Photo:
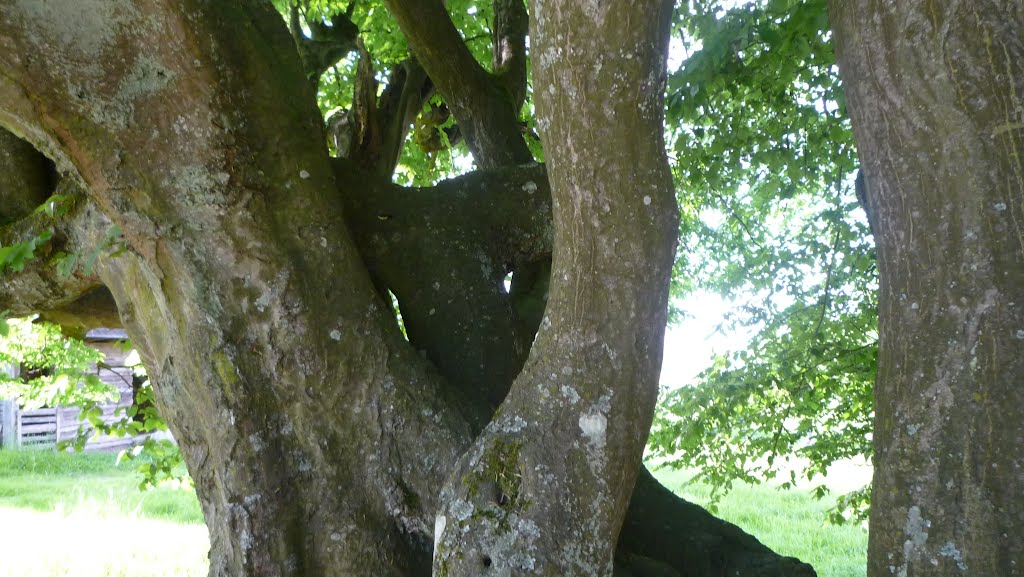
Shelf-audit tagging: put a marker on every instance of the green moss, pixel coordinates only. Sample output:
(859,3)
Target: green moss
(225,370)
(499,468)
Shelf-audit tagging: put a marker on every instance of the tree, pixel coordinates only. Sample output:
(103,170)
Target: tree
(934,91)
(765,166)
(254,273)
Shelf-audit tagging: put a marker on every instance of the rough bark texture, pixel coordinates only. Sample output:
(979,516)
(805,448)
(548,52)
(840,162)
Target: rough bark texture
(544,489)
(935,92)
(317,436)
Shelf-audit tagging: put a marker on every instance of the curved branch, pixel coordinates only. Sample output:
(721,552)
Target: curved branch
(483,107)
(444,252)
(326,44)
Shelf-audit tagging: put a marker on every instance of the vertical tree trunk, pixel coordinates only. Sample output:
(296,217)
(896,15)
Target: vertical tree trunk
(936,95)
(544,490)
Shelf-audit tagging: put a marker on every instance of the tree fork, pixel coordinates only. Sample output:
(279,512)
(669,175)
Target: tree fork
(251,333)
(485,111)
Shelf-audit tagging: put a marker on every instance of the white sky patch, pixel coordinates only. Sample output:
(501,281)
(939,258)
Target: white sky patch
(691,345)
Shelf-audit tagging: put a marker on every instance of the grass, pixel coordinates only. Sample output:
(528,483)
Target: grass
(79,514)
(791,522)
(49,481)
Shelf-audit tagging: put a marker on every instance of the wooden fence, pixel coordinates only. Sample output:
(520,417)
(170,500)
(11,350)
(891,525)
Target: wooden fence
(44,428)
(47,427)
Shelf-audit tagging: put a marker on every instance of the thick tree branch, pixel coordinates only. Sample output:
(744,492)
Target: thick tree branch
(484,109)
(685,540)
(399,105)
(508,47)
(444,251)
(564,449)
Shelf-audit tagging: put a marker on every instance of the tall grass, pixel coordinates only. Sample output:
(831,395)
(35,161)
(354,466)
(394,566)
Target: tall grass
(50,481)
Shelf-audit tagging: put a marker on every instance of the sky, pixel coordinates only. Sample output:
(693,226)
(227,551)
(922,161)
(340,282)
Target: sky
(691,344)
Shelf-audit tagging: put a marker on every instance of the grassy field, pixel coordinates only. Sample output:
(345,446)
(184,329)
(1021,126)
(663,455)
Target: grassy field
(79,515)
(67,514)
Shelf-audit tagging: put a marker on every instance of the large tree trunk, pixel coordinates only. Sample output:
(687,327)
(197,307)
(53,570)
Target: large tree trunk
(935,92)
(318,437)
(544,490)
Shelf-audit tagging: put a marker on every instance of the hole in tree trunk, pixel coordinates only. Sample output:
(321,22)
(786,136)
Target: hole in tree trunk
(487,561)
(398,314)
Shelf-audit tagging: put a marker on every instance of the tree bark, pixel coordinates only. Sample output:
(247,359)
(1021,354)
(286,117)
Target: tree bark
(934,91)
(317,437)
(545,488)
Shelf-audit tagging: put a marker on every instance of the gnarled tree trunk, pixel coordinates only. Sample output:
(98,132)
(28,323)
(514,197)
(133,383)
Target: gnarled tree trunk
(250,271)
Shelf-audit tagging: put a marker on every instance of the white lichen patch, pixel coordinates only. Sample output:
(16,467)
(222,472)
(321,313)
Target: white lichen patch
(85,27)
(570,394)
(594,426)
(335,335)
(461,510)
(530,187)
(516,425)
(263,302)
(303,174)
(950,551)
(916,532)
(999,206)
(439,524)
(647,200)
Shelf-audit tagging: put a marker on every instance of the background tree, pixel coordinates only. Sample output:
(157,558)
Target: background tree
(764,162)
(254,273)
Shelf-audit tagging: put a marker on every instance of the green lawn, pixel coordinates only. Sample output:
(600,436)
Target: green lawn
(791,522)
(79,514)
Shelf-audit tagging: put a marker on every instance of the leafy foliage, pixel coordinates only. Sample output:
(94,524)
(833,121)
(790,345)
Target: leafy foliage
(764,160)
(14,257)
(55,370)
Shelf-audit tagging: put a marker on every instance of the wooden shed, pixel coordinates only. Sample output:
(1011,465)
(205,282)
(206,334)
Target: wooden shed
(48,426)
